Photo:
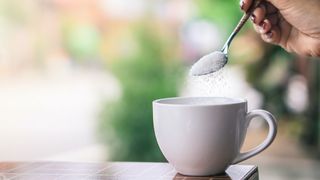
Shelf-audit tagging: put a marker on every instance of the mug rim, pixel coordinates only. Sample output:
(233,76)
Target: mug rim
(235,101)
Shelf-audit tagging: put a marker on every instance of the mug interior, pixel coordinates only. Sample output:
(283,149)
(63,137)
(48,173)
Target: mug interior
(200,101)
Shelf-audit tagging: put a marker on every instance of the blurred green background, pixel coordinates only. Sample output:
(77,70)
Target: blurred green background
(95,66)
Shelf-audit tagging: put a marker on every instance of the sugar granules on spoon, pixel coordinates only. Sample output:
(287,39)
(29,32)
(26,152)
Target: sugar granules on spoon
(209,64)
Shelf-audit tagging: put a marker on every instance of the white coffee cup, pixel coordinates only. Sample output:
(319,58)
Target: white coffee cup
(202,136)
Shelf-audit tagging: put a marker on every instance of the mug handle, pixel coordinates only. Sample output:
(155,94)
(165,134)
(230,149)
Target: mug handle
(271,135)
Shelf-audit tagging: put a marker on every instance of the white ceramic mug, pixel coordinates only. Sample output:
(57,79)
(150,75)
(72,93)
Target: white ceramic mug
(202,136)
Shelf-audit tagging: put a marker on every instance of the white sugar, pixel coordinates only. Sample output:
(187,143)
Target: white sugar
(211,85)
(209,64)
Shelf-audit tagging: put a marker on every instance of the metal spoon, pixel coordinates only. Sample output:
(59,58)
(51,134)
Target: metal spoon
(218,59)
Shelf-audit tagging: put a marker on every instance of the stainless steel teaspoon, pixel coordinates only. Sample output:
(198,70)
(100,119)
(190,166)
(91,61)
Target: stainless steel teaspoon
(218,59)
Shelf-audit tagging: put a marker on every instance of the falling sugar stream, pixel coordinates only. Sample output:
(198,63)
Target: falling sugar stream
(210,85)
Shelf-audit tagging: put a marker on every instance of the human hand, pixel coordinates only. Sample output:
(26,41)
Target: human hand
(292,24)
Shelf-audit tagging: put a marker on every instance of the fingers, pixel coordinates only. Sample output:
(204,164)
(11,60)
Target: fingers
(265,8)
(259,14)
(269,29)
(266,24)
(265,19)
(273,18)
(271,9)
(245,5)
(264,27)
(273,36)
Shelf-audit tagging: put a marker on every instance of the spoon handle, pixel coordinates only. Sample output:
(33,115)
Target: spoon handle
(247,15)
(242,21)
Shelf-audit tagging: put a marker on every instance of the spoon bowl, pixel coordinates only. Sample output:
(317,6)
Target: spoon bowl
(209,63)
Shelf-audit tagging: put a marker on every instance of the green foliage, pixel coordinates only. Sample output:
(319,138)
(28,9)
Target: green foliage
(82,41)
(127,124)
(225,13)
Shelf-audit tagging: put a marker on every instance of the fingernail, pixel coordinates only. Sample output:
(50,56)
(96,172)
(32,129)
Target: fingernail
(253,18)
(241,4)
(269,35)
(263,26)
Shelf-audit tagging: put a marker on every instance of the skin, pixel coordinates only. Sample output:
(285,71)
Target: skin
(292,24)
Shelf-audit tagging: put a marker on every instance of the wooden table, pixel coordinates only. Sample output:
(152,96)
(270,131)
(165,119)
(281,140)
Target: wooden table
(112,171)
